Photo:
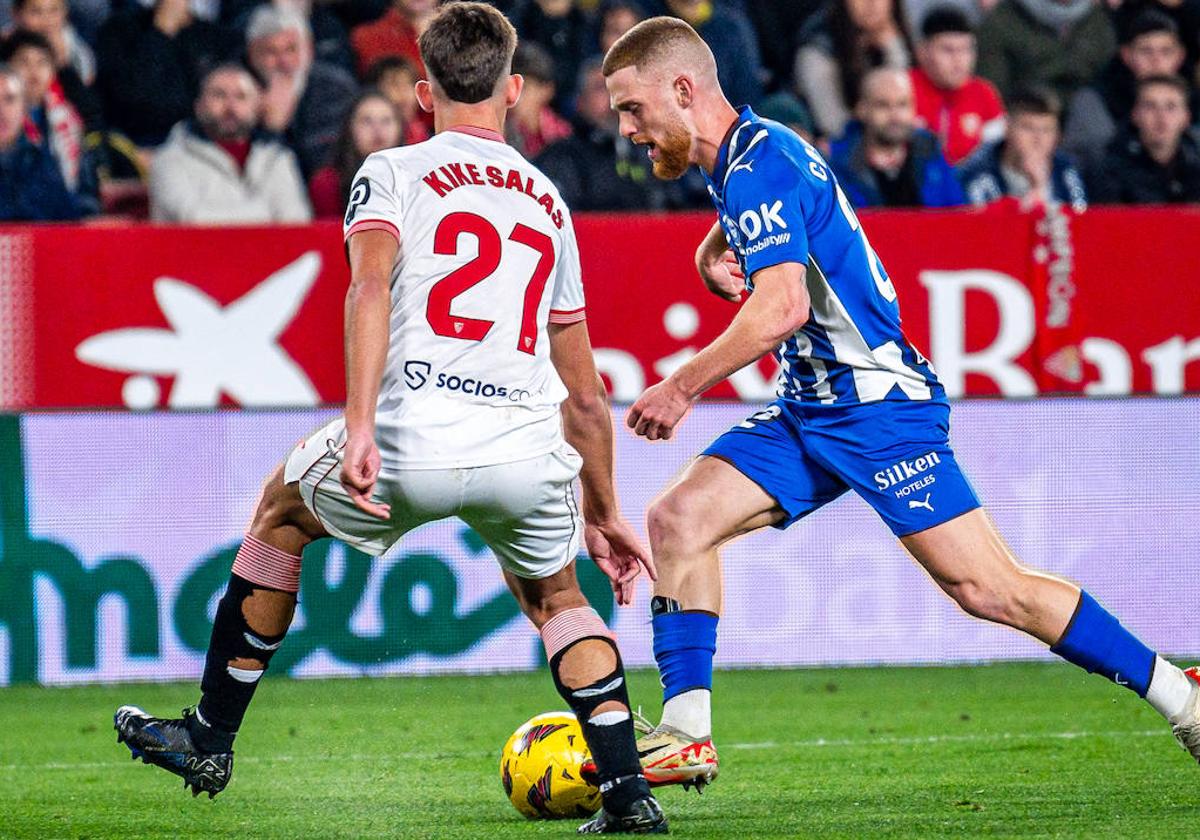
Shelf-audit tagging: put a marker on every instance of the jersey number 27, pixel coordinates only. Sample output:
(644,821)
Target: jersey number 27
(442,295)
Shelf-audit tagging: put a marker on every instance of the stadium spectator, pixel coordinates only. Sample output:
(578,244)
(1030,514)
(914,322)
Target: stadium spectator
(395,33)
(962,109)
(1158,162)
(838,48)
(151,62)
(48,18)
(329,21)
(776,25)
(1027,164)
(31,185)
(532,123)
(561,29)
(598,169)
(884,159)
(730,35)
(1060,44)
(304,100)
(51,122)
(396,78)
(373,123)
(1185,13)
(1152,47)
(783,107)
(614,19)
(220,167)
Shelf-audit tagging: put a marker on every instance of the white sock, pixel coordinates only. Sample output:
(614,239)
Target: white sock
(690,713)
(1169,689)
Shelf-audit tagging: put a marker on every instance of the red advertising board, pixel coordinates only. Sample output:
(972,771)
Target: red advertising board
(1003,303)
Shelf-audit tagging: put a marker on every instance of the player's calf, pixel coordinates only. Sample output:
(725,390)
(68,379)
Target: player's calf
(252,619)
(588,674)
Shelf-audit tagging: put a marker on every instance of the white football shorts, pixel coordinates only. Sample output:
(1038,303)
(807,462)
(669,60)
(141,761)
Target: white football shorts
(524,510)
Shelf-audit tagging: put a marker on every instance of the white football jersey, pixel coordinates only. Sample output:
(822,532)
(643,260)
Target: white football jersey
(487,260)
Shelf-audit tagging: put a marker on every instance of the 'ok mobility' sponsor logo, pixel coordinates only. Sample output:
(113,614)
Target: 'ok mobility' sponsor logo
(913,470)
(417,374)
(766,219)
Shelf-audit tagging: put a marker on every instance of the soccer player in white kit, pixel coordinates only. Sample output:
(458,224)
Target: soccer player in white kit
(471,392)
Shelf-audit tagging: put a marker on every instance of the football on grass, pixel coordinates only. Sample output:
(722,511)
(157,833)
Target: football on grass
(540,769)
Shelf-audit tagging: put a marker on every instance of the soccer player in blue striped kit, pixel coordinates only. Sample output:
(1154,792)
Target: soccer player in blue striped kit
(859,407)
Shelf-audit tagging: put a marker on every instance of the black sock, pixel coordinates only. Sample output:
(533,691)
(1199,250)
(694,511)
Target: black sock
(227,692)
(612,742)
(614,749)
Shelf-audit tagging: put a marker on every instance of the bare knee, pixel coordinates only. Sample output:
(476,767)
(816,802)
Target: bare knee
(677,527)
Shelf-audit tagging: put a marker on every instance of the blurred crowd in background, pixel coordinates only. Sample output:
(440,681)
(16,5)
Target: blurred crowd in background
(259,111)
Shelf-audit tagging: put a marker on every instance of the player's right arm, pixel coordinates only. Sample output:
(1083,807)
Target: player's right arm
(718,267)
(587,426)
(368,307)
(373,244)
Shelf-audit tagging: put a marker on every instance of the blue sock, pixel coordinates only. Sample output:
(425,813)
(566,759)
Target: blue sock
(1096,642)
(684,644)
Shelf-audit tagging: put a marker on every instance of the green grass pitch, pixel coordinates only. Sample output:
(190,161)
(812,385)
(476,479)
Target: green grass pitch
(997,751)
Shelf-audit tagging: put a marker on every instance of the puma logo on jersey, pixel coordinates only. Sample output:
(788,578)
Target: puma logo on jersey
(768,218)
(449,177)
(913,503)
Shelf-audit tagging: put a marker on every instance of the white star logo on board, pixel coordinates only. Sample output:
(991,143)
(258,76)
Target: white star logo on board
(212,350)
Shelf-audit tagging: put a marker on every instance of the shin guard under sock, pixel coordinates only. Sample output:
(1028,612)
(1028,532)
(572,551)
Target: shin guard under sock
(227,690)
(609,735)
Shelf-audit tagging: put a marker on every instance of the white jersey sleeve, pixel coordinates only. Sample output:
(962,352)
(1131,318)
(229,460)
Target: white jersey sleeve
(375,202)
(566,302)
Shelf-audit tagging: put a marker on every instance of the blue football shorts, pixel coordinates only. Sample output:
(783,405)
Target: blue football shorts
(895,455)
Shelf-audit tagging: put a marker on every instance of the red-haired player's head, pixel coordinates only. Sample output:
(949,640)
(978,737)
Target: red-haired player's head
(662,80)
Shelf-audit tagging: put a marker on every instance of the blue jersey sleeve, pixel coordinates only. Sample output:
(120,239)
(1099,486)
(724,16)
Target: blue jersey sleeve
(765,195)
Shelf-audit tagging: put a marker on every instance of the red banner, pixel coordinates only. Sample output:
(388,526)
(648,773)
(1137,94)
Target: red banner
(1003,303)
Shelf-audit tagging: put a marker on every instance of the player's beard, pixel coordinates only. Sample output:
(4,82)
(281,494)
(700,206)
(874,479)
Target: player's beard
(674,150)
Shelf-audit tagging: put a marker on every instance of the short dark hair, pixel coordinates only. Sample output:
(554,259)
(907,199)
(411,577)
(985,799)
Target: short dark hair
(943,19)
(1176,83)
(467,48)
(387,64)
(21,39)
(1147,22)
(533,62)
(1040,101)
(608,6)
(227,67)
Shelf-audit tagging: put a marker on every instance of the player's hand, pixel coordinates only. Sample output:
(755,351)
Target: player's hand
(360,469)
(722,275)
(617,552)
(658,411)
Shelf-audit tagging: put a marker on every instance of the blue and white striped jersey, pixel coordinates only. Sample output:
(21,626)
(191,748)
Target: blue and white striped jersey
(778,202)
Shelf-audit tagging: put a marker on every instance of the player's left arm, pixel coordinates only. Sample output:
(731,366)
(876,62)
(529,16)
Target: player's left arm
(778,307)
(587,426)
